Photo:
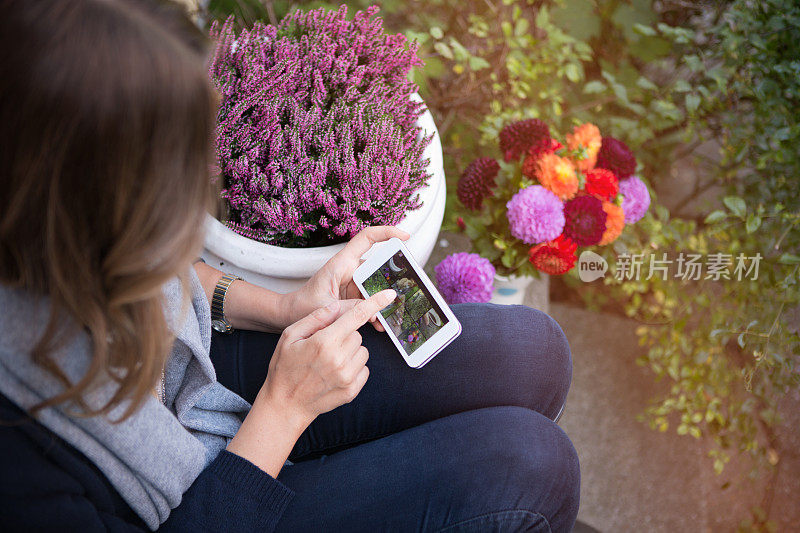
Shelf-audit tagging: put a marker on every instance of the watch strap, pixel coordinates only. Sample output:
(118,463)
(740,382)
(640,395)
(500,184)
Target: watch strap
(218,300)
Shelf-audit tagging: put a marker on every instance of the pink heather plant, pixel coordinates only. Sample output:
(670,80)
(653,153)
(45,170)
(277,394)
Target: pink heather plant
(317,135)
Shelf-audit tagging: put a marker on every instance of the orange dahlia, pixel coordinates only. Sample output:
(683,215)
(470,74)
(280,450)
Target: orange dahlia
(557,174)
(586,136)
(531,161)
(615,221)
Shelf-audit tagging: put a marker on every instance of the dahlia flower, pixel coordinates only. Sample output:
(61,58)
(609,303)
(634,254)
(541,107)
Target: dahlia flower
(586,136)
(554,257)
(317,134)
(585,220)
(535,215)
(615,222)
(477,182)
(517,137)
(635,199)
(557,174)
(601,183)
(465,277)
(544,146)
(616,157)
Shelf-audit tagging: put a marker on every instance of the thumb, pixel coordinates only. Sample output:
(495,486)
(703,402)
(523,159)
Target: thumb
(318,319)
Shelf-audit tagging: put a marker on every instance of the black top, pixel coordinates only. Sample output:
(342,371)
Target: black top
(47,484)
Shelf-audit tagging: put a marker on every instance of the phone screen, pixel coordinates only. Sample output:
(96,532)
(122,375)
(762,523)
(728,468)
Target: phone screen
(414,316)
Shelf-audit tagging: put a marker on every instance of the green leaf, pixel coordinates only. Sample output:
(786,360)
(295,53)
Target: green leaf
(443,50)
(478,63)
(436,32)
(753,222)
(578,18)
(692,102)
(715,216)
(789,259)
(682,86)
(641,29)
(736,205)
(646,84)
(594,87)
(572,72)
(693,62)
(521,27)
(508,258)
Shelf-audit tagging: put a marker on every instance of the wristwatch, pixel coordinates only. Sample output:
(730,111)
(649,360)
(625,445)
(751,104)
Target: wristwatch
(218,320)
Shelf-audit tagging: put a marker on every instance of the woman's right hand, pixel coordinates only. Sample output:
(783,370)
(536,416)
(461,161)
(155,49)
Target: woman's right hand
(318,365)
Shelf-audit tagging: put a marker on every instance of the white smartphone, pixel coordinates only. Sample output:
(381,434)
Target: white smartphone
(418,321)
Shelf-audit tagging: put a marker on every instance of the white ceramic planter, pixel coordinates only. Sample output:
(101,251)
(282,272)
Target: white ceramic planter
(515,290)
(286,269)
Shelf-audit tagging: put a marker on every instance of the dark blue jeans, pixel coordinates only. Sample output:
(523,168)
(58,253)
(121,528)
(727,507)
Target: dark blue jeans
(466,443)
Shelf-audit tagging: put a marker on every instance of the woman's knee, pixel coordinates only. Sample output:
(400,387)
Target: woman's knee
(547,341)
(530,346)
(533,464)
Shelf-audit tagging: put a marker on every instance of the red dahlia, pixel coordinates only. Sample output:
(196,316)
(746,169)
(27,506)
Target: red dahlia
(615,156)
(518,136)
(532,155)
(602,183)
(554,257)
(477,182)
(585,220)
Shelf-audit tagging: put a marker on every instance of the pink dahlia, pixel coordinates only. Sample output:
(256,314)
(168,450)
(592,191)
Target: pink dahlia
(585,220)
(616,157)
(517,137)
(477,182)
(635,199)
(464,278)
(535,215)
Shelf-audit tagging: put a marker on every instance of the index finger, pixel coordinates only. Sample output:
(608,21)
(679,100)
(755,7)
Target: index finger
(362,312)
(363,241)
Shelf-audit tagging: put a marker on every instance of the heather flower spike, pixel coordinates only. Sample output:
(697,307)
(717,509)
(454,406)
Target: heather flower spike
(317,135)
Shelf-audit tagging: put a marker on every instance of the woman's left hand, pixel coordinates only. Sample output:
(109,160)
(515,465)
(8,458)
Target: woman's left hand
(334,281)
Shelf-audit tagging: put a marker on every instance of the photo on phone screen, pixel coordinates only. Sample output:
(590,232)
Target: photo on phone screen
(413,316)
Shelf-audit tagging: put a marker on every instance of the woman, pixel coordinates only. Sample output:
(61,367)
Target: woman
(119,408)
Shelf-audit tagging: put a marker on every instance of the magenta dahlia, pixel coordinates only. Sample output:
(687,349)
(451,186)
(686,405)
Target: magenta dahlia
(465,277)
(635,199)
(535,215)
(585,220)
(477,182)
(615,156)
(517,137)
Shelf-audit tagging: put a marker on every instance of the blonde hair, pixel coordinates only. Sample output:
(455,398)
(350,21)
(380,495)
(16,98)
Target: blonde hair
(106,117)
